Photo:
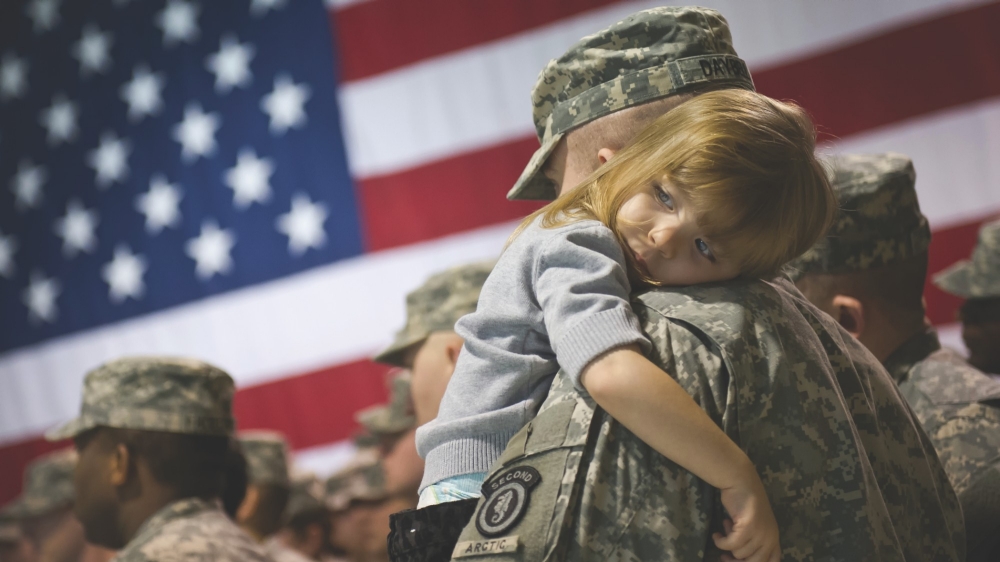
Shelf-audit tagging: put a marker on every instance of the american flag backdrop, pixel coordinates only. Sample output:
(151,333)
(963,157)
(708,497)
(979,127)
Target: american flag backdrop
(258,183)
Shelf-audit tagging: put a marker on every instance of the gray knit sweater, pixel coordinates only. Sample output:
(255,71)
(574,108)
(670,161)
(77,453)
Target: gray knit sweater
(558,297)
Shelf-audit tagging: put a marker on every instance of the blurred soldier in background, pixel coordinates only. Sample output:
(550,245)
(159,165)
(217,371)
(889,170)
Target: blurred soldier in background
(869,274)
(153,437)
(977,280)
(394,426)
(44,511)
(261,512)
(428,345)
(306,523)
(360,507)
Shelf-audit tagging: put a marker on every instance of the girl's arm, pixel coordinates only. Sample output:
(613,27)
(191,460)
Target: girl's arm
(658,411)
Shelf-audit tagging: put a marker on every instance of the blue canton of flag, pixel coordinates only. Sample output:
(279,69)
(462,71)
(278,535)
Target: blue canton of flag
(154,153)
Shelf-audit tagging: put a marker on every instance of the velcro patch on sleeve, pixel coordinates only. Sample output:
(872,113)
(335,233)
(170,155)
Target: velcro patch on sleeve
(480,548)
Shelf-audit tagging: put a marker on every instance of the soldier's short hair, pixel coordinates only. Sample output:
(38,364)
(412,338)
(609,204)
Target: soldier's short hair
(897,287)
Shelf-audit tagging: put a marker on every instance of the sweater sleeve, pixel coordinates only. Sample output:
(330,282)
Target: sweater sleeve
(583,290)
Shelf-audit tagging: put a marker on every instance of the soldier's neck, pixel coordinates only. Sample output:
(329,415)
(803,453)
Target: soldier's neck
(885,334)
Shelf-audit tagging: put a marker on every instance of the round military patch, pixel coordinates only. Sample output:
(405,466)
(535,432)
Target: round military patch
(507,498)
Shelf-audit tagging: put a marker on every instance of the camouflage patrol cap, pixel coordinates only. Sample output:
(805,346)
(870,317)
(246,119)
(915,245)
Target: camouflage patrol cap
(394,417)
(155,394)
(649,55)
(306,495)
(48,485)
(267,457)
(436,306)
(978,277)
(362,479)
(879,222)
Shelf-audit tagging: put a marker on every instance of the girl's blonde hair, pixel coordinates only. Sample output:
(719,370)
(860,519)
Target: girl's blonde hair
(743,161)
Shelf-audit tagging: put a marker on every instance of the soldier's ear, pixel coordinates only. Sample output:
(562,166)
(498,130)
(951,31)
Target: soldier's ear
(850,313)
(120,463)
(605,154)
(249,505)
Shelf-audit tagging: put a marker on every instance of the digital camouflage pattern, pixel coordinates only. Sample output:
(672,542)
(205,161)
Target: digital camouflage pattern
(879,222)
(48,486)
(849,474)
(436,305)
(396,416)
(191,530)
(959,408)
(267,457)
(361,480)
(648,55)
(978,277)
(156,394)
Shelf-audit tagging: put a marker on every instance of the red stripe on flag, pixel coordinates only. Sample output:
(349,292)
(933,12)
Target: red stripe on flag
(948,246)
(928,66)
(898,75)
(314,408)
(374,37)
(445,197)
(311,409)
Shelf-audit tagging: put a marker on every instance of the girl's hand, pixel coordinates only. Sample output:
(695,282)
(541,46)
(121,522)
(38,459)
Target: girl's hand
(752,534)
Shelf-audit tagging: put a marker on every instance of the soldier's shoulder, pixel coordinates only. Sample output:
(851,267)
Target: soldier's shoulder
(200,537)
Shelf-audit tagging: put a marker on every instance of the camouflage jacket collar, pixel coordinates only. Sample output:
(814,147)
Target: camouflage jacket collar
(914,350)
(176,510)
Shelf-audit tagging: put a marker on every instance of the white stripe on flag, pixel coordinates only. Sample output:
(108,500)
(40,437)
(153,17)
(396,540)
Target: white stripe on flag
(955,155)
(316,319)
(480,97)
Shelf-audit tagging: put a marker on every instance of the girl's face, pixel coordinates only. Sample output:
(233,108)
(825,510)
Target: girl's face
(664,237)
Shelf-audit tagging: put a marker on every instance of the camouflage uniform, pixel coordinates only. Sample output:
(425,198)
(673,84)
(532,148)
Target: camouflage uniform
(48,486)
(178,396)
(957,405)
(386,420)
(436,305)
(979,277)
(848,476)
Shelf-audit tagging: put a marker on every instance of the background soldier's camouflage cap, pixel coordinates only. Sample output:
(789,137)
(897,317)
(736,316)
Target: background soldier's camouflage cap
(155,394)
(48,485)
(362,479)
(879,222)
(267,457)
(306,496)
(978,277)
(436,305)
(394,417)
(646,56)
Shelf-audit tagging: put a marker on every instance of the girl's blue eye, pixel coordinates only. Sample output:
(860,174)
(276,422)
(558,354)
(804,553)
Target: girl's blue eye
(704,249)
(664,197)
